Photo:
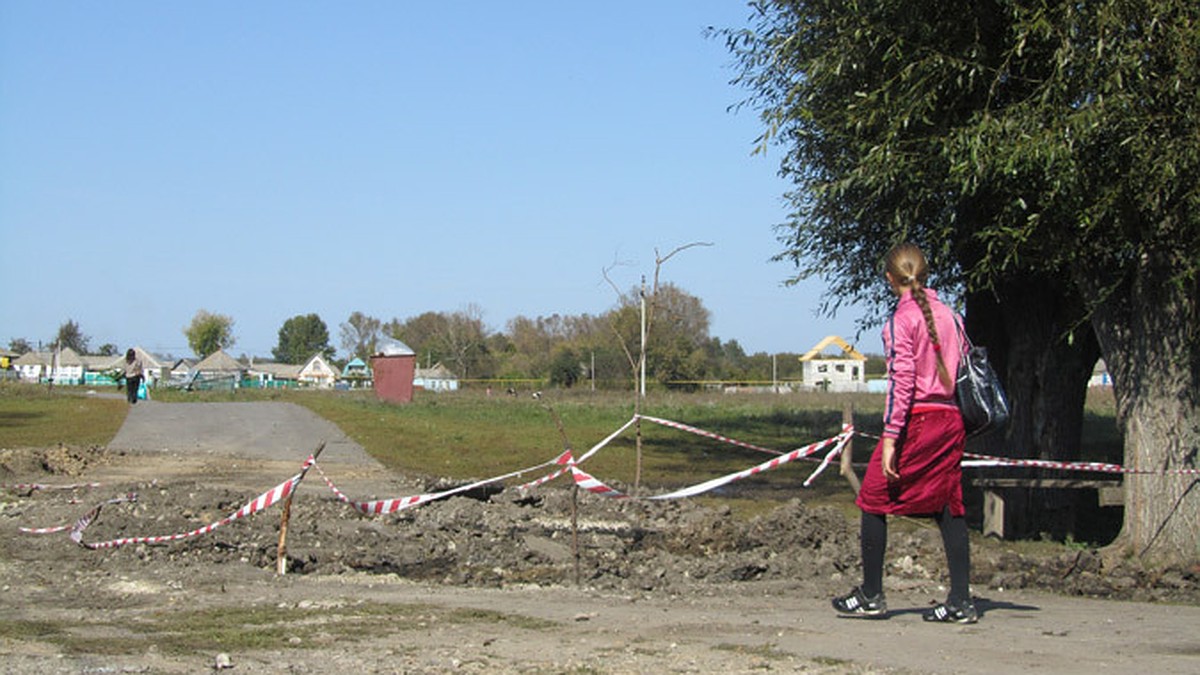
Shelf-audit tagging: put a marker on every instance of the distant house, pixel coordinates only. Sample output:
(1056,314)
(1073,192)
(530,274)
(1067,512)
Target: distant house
(218,371)
(436,378)
(63,366)
(317,372)
(273,375)
(844,372)
(181,370)
(32,366)
(68,367)
(356,373)
(219,362)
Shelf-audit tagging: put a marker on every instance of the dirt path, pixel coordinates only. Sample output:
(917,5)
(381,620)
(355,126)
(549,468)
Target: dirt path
(353,604)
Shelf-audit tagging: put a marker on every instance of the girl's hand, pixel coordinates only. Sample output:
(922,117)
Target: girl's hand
(891,469)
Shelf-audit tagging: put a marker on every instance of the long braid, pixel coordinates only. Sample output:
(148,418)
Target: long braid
(907,265)
(918,293)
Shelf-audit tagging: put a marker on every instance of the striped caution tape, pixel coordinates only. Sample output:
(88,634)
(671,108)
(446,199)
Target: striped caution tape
(385,506)
(563,463)
(708,434)
(986,460)
(567,458)
(974,460)
(255,505)
(564,460)
(590,483)
(84,520)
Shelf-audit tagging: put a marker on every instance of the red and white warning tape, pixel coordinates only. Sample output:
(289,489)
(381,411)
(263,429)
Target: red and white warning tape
(708,434)
(384,506)
(85,519)
(564,462)
(971,459)
(566,458)
(985,460)
(255,505)
(590,483)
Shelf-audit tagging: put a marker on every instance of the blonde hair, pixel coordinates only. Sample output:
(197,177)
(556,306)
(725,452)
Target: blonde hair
(908,268)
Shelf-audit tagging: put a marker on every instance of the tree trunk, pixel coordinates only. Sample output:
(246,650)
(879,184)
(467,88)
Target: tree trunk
(1029,325)
(1149,330)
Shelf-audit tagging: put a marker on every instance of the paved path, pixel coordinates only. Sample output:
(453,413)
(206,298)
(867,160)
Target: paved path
(259,430)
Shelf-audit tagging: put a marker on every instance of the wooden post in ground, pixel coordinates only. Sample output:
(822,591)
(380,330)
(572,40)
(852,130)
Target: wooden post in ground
(281,552)
(562,432)
(575,526)
(847,458)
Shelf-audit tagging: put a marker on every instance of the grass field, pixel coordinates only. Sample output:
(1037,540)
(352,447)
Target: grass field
(470,435)
(34,416)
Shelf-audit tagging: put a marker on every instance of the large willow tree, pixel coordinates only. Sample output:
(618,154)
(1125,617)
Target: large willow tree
(1047,156)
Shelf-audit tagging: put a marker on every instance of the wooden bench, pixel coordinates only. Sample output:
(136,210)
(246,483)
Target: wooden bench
(1109,493)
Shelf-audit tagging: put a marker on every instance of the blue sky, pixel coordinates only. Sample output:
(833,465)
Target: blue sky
(267,159)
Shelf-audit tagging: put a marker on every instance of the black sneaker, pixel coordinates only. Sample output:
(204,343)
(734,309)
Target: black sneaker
(857,604)
(948,612)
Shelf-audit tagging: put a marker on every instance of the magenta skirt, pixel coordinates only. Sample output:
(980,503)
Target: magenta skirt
(930,459)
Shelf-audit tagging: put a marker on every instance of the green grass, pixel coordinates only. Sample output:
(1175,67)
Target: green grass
(467,434)
(34,416)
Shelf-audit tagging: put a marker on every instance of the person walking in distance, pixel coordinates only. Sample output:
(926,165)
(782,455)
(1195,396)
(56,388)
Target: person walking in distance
(916,469)
(133,376)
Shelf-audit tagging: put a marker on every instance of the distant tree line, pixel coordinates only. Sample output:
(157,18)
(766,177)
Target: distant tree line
(575,350)
(561,350)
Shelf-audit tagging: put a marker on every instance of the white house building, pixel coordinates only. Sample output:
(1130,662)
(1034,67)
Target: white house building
(63,366)
(436,378)
(844,372)
(317,372)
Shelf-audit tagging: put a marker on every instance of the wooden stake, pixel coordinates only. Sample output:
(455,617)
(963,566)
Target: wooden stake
(575,528)
(281,555)
(562,432)
(281,552)
(847,458)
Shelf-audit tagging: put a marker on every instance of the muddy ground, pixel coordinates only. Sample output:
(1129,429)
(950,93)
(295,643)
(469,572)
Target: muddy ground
(503,582)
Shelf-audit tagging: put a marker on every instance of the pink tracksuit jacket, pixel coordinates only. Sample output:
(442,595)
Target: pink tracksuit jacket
(912,361)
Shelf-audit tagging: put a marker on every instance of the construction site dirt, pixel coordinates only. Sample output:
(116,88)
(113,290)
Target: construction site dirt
(505,581)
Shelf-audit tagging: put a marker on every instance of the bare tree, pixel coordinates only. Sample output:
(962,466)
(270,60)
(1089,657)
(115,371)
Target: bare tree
(638,363)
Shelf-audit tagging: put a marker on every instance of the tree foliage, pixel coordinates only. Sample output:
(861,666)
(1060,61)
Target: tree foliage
(458,339)
(19,346)
(1044,154)
(71,336)
(302,337)
(209,332)
(360,334)
(565,368)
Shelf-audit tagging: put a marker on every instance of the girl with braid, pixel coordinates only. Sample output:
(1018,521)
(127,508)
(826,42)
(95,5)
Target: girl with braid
(916,468)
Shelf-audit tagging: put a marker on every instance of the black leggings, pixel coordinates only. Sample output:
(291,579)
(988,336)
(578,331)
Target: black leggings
(131,389)
(954,541)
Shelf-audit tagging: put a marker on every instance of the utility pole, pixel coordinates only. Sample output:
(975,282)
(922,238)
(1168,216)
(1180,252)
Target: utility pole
(642,365)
